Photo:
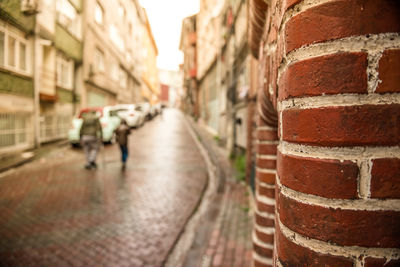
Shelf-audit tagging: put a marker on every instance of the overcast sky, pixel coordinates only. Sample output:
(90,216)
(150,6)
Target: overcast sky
(166,20)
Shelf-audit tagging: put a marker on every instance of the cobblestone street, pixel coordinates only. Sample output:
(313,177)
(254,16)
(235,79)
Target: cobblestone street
(53,212)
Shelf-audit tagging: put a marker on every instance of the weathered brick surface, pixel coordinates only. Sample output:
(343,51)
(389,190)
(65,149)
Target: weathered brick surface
(266,149)
(266,163)
(321,177)
(263,207)
(318,76)
(263,221)
(266,238)
(291,254)
(337,69)
(268,192)
(339,19)
(342,227)
(268,178)
(267,135)
(343,126)
(262,251)
(389,74)
(385,178)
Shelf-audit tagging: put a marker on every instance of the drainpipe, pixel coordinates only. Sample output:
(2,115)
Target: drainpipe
(36,84)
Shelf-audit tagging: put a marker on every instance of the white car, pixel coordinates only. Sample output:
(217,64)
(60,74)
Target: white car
(131,114)
(145,108)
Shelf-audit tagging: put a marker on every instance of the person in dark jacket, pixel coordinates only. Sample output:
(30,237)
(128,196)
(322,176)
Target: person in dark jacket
(91,135)
(122,133)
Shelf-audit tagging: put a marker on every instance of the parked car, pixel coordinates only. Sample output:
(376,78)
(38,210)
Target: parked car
(145,108)
(131,114)
(109,122)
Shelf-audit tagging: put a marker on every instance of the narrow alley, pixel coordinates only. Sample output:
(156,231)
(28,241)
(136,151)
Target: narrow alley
(53,212)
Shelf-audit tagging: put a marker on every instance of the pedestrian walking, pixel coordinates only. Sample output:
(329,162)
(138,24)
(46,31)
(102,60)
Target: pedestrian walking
(90,136)
(122,133)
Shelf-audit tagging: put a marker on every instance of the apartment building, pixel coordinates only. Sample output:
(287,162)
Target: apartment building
(112,29)
(57,56)
(187,45)
(150,86)
(16,77)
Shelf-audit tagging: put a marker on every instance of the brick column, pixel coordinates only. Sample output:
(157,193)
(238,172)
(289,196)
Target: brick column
(338,167)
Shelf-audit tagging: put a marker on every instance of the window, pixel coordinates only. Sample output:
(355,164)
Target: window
(123,78)
(65,68)
(98,14)
(121,12)
(22,56)
(2,48)
(69,17)
(13,51)
(114,72)
(116,37)
(99,60)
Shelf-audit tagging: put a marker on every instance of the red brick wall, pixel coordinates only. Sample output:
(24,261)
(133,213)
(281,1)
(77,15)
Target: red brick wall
(331,69)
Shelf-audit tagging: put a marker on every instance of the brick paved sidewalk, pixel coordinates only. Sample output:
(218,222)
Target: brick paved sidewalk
(224,236)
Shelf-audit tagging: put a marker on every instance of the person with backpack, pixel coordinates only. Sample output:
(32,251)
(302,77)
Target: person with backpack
(122,133)
(91,135)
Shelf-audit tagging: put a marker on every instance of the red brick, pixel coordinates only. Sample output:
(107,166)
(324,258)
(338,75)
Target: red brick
(265,207)
(385,178)
(265,135)
(342,227)
(318,76)
(322,177)
(262,221)
(266,163)
(343,126)
(268,178)
(268,192)
(389,73)
(262,251)
(265,149)
(291,254)
(343,18)
(266,238)
(374,262)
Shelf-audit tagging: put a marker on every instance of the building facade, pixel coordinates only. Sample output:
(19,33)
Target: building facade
(150,87)
(109,73)
(187,44)
(16,78)
(223,71)
(59,56)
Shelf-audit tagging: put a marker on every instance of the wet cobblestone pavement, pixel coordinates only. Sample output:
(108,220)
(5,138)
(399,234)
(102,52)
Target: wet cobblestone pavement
(53,212)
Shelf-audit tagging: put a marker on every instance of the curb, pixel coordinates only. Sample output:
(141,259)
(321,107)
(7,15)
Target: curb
(36,153)
(186,238)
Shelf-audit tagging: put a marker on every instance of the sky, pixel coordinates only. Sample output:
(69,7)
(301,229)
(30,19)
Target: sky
(165,18)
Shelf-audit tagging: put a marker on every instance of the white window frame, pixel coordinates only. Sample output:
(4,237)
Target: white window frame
(17,59)
(98,7)
(68,65)
(114,73)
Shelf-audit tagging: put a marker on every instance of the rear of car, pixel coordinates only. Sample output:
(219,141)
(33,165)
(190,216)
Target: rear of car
(133,117)
(109,122)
